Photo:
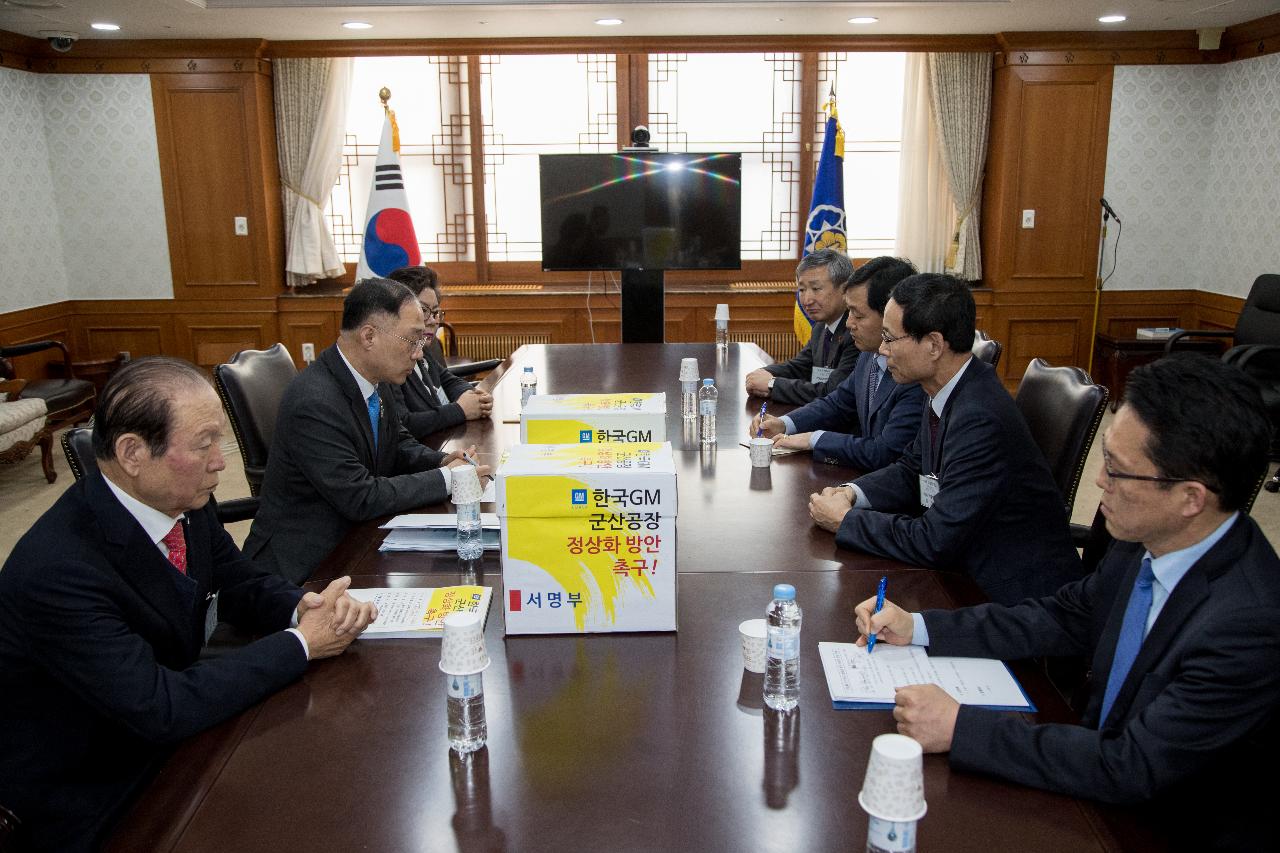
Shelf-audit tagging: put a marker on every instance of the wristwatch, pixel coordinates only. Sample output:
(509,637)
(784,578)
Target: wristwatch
(771,381)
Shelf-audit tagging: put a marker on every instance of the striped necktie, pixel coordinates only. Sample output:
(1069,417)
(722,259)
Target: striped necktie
(873,385)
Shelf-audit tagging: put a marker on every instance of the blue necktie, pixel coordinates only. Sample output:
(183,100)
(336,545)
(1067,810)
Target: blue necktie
(375,406)
(1132,631)
(873,385)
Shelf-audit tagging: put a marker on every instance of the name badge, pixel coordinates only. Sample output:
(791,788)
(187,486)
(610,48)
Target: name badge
(820,375)
(929,488)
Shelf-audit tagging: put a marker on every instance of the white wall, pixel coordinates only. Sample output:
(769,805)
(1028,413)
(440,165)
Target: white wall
(32,269)
(86,177)
(1193,169)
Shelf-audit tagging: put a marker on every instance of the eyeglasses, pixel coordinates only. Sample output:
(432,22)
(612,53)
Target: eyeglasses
(432,313)
(1113,474)
(414,344)
(890,340)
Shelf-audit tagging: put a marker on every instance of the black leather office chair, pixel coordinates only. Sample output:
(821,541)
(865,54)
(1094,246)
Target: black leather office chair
(77,446)
(446,345)
(69,400)
(1258,323)
(986,349)
(9,824)
(251,385)
(1262,362)
(1062,407)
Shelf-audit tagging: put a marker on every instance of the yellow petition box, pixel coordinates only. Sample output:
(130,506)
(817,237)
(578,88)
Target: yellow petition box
(594,418)
(588,538)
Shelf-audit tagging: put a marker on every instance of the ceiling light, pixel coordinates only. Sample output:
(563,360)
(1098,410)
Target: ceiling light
(357,25)
(1112,19)
(110,28)
(609,22)
(863,20)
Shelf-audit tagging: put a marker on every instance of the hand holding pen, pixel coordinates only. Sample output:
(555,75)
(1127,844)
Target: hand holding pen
(760,419)
(871,637)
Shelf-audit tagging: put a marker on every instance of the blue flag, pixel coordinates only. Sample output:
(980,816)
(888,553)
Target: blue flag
(825,227)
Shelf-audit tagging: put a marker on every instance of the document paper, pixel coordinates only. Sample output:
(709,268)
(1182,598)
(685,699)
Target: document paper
(420,611)
(860,680)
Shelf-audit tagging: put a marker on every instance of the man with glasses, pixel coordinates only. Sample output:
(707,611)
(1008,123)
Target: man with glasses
(973,492)
(432,398)
(340,456)
(1181,620)
(830,355)
(868,420)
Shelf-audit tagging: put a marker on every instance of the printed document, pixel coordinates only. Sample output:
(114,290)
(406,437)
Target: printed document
(860,680)
(420,611)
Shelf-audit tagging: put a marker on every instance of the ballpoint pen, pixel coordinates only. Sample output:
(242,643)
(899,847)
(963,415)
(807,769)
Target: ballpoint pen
(760,426)
(871,637)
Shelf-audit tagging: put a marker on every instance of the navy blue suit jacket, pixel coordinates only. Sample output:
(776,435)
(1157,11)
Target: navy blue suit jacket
(99,639)
(418,406)
(866,440)
(324,474)
(1193,728)
(998,515)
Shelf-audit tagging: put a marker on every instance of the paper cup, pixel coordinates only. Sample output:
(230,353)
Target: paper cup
(753,634)
(761,451)
(893,789)
(722,311)
(466,485)
(688,370)
(462,650)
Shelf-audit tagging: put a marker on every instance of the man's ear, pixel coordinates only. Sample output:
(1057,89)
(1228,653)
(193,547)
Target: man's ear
(365,336)
(131,452)
(1195,498)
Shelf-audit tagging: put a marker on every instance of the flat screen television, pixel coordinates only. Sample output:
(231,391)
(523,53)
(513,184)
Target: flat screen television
(644,211)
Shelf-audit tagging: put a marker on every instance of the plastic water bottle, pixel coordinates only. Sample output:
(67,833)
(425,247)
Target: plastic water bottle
(707,396)
(470,545)
(722,336)
(689,399)
(528,386)
(782,666)
(467,727)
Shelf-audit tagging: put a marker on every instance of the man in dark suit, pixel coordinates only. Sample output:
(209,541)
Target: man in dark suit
(340,456)
(1181,619)
(432,398)
(973,492)
(103,608)
(828,358)
(868,420)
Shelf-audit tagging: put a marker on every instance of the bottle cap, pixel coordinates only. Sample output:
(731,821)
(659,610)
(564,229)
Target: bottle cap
(711,382)
(528,370)
(785,591)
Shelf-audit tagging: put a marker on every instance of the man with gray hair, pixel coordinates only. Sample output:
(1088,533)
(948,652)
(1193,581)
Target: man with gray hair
(340,455)
(830,355)
(103,610)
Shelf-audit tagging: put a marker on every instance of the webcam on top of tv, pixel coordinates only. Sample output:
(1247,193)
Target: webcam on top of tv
(640,140)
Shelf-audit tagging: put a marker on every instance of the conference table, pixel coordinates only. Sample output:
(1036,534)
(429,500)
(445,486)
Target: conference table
(617,742)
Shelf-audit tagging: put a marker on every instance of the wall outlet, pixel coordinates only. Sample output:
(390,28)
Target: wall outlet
(1028,219)
(308,353)
(242,226)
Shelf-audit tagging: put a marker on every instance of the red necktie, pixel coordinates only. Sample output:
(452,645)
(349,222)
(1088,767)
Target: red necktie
(176,541)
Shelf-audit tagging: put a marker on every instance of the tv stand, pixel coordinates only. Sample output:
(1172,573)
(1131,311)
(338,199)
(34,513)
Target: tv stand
(643,307)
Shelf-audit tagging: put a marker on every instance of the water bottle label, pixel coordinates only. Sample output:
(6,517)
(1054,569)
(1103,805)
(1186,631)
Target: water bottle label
(783,645)
(527,391)
(886,836)
(706,407)
(466,686)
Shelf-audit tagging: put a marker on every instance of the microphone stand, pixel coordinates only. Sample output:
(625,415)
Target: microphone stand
(1097,293)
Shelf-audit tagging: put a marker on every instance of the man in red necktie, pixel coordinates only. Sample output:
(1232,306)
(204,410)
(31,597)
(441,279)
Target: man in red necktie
(103,609)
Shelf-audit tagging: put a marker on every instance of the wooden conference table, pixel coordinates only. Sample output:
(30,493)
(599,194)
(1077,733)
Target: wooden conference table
(620,742)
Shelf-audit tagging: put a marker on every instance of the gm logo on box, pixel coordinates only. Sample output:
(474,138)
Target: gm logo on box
(584,436)
(578,497)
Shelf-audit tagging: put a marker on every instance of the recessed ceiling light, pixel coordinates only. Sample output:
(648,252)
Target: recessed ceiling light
(863,20)
(1112,19)
(110,28)
(609,22)
(357,25)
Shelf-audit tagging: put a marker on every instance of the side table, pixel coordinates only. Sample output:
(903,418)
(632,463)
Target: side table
(1114,357)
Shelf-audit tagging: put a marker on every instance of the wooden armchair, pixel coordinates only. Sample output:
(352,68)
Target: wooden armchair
(24,424)
(68,400)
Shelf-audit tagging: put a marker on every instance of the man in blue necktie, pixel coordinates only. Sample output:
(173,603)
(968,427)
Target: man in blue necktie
(340,455)
(1181,621)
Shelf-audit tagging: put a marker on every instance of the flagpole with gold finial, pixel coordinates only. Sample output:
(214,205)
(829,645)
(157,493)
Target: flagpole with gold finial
(384,95)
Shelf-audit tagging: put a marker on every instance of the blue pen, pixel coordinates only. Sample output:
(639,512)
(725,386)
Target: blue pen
(871,638)
(760,426)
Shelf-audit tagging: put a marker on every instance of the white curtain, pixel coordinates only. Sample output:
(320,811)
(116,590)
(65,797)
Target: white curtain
(311,115)
(960,87)
(926,209)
